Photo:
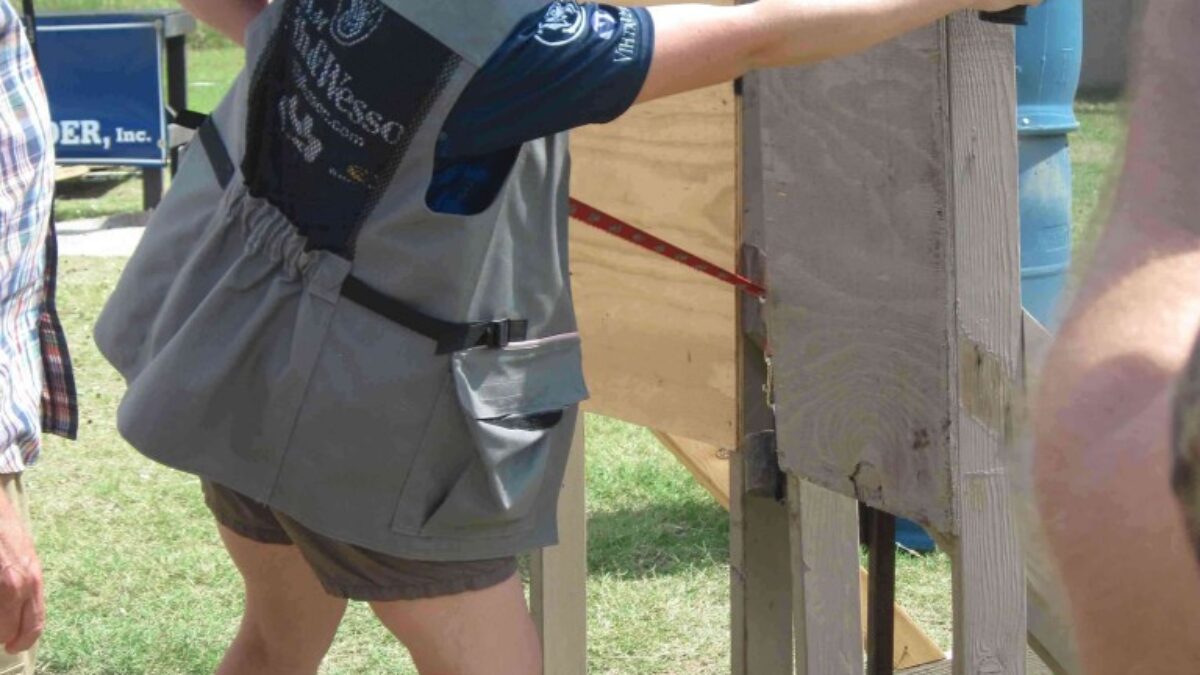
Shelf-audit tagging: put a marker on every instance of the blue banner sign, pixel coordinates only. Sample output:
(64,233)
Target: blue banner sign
(104,79)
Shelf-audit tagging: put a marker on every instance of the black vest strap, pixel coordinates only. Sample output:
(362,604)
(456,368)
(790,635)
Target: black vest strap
(218,156)
(30,25)
(450,337)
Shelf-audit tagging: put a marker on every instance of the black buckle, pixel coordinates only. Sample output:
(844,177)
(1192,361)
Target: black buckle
(495,335)
(498,334)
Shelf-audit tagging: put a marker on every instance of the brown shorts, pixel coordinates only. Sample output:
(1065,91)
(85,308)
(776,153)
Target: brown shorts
(348,571)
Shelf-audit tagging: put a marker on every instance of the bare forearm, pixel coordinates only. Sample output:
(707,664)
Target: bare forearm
(229,17)
(700,45)
(815,30)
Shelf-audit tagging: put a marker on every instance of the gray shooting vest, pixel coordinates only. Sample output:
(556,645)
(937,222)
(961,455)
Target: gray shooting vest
(390,376)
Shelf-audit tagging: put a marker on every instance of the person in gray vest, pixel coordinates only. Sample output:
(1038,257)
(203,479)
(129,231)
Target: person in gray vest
(351,315)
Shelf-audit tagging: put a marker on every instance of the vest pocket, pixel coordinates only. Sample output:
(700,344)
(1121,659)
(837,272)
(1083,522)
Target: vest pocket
(498,440)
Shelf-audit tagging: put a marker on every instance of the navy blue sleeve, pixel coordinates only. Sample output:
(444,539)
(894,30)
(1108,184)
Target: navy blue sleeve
(564,66)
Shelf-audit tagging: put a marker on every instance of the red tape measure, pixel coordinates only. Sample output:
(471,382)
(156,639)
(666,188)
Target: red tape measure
(600,220)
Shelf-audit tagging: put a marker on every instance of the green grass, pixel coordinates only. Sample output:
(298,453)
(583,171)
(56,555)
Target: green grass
(203,38)
(1095,156)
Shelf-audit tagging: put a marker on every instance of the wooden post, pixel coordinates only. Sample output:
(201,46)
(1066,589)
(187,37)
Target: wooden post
(558,584)
(826,586)
(989,580)
(759,582)
(881,528)
(759,560)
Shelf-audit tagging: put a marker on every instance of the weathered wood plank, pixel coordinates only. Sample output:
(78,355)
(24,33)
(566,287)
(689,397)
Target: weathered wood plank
(760,587)
(1035,343)
(989,581)
(708,464)
(891,238)
(558,588)
(1033,666)
(759,555)
(857,246)
(825,580)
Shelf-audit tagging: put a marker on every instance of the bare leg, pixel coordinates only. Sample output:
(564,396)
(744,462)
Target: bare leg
(487,632)
(289,620)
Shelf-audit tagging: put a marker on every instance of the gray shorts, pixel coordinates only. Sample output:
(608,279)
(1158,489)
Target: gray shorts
(348,571)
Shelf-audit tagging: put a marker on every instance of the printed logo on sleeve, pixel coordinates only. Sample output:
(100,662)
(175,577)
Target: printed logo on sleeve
(628,45)
(604,24)
(355,20)
(563,23)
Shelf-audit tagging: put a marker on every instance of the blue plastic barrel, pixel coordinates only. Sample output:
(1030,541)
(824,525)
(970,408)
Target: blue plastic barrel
(1049,54)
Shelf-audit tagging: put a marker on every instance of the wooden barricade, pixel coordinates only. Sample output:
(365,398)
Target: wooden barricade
(879,194)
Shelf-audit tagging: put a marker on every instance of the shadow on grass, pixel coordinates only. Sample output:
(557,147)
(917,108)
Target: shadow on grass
(1100,95)
(92,186)
(658,540)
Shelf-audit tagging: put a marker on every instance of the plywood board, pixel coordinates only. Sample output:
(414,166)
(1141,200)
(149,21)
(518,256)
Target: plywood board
(658,337)
(854,155)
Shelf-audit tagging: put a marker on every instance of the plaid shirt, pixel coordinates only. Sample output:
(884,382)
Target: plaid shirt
(37,392)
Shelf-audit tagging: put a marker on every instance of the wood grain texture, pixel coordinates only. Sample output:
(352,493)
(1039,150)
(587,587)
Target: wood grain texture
(759,584)
(825,580)
(659,337)
(1033,666)
(558,577)
(857,243)
(989,581)
(1035,343)
(759,555)
(708,464)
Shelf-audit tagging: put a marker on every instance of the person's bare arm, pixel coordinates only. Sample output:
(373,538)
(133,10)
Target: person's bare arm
(700,45)
(1103,414)
(229,17)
